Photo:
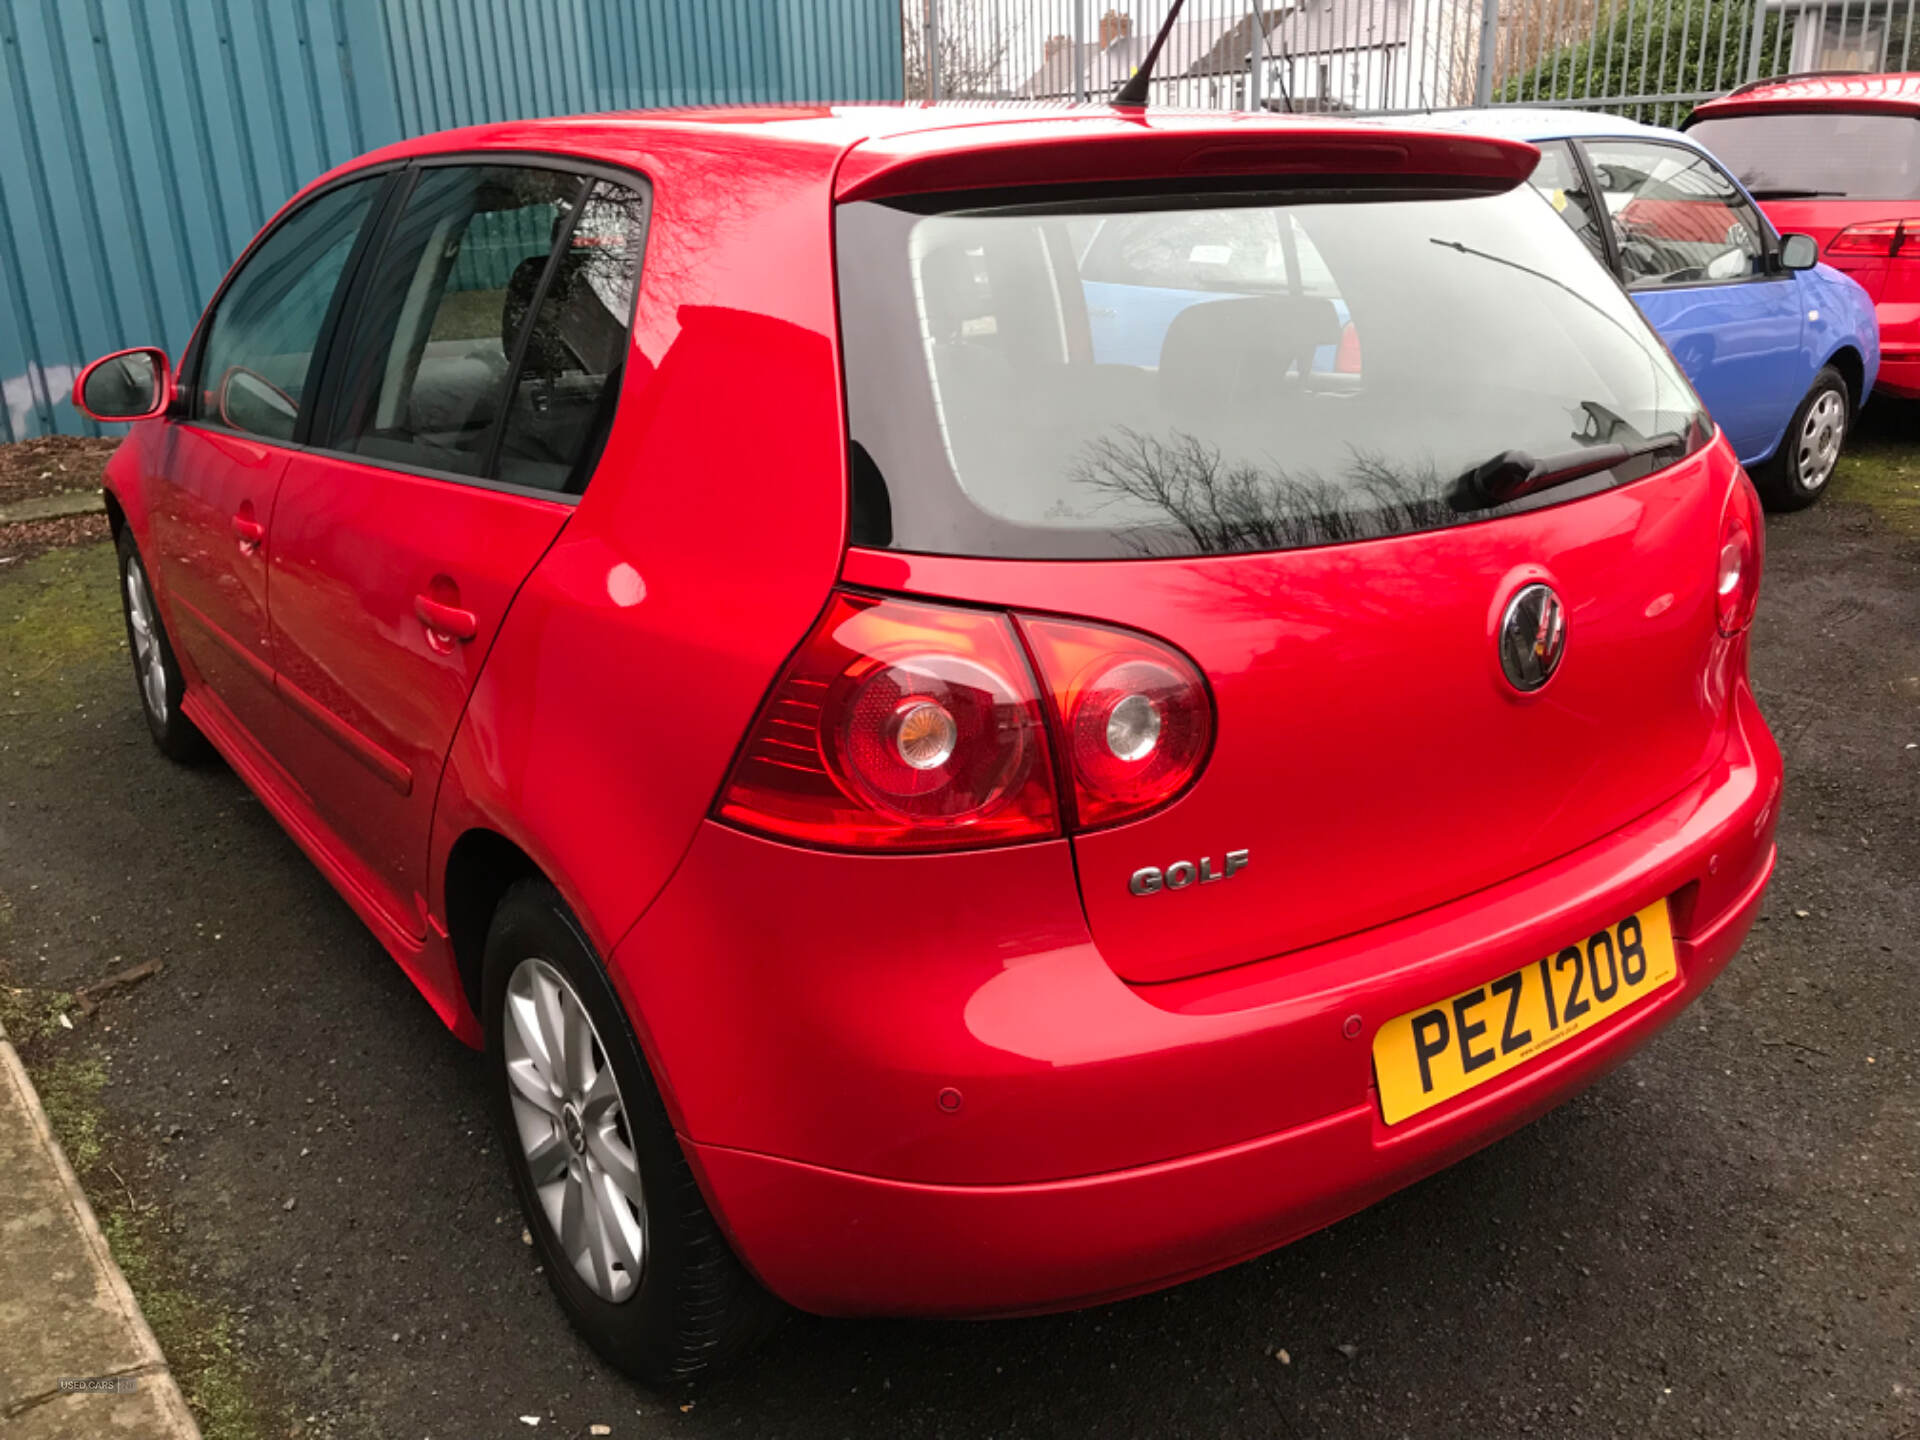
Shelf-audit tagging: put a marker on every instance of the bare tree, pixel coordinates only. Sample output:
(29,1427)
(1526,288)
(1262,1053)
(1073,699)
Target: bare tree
(970,46)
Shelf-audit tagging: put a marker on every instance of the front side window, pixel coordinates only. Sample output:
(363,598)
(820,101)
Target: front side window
(1677,219)
(255,362)
(1817,154)
(1234,411)
(1558,179)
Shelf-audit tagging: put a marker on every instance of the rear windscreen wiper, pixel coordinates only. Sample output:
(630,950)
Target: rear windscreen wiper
(1788,192)
(1514,473)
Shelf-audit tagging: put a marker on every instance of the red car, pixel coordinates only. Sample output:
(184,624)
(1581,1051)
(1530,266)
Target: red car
(922,821)
(1837,157)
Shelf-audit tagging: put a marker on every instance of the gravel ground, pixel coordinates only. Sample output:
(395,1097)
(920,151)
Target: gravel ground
(45,466)
(1723,1238)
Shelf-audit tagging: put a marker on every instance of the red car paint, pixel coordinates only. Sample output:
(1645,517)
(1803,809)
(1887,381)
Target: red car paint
(1873,238)
(981,1080)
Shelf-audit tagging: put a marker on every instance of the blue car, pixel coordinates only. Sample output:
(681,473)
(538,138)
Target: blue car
(1783,350)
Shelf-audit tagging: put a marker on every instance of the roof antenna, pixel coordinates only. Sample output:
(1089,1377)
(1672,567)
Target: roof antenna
(1134,92)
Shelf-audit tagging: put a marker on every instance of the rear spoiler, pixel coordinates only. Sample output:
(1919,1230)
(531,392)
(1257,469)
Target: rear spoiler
(1102,148)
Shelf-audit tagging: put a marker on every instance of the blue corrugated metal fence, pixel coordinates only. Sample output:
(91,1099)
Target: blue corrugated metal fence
(143,142)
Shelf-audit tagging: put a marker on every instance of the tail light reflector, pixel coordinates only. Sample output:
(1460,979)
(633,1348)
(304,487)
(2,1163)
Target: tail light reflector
(899,725)
(1134,717)
(1887,238)
(1742,543)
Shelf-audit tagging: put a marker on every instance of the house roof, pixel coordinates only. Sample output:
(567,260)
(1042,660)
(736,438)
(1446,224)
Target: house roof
(1217,44)
(1328,27)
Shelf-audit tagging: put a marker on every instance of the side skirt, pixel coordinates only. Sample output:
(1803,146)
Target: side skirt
(428,962)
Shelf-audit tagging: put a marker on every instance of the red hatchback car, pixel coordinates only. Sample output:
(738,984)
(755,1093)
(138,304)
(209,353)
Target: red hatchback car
(1837,157)
(923,821)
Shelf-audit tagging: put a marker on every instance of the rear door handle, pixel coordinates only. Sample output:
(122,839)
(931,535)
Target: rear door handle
(247,530)
(446,619)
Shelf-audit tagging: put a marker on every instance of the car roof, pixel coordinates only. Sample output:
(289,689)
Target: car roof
(1017,143)
(1899,93)
(833,127)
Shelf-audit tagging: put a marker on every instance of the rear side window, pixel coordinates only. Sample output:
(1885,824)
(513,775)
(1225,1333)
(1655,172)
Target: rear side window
(489,339)
(254,362)
(426,372)
(569,379)
(1558,179)
(1817,155)
(1168,375)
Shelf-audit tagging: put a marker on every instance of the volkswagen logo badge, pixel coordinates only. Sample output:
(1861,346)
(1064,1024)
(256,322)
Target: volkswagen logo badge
(1533,637)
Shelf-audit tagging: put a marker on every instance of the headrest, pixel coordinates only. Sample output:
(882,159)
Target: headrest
(947,288)
(1219,354)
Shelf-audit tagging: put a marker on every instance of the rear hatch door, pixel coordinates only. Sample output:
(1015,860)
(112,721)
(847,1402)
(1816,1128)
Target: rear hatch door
(1335,551)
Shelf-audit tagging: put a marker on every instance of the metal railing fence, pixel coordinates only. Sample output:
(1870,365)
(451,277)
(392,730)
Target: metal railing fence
(1650,59)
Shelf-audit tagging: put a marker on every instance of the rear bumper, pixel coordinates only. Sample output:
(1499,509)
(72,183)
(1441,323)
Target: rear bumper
(1899,376)
(945,1132)
(1899,322)
(838,1243)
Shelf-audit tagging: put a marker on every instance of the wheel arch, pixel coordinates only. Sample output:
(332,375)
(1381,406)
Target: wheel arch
(1853,369)
(482,864)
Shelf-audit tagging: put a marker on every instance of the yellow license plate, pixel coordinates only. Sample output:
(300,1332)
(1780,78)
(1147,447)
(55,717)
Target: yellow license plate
(1431,1055)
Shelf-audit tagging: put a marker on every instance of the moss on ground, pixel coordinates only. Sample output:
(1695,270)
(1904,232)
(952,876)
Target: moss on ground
(195,1333)
(59,612)
(29,1015)
(1881,471)
(197,1338)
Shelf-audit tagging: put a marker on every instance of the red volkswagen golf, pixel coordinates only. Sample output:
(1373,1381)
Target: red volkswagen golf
(926,812)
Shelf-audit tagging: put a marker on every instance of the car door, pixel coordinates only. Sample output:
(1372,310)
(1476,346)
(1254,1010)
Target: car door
(1697,257)
(221,462)
(461,418)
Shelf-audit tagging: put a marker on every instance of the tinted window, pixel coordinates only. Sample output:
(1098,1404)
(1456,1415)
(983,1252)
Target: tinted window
(259,345)
(1818,155)
(985,421)
(1559,180)
(569,379)
(425,375)
(1677,218)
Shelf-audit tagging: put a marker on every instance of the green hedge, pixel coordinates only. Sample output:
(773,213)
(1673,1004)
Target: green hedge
(1624,55)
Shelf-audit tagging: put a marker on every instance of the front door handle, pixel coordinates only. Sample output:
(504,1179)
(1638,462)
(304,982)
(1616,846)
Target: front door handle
(248,531)
(448,620)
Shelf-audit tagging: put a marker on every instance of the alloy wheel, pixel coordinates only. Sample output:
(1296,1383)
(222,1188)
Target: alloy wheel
(573,1130)
(1821,434)
(148,661)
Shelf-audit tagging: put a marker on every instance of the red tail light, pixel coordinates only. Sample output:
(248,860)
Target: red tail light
(1134,716)
(902,725)
(1876,237)
(1742,543)
(1346,357)
(899,726)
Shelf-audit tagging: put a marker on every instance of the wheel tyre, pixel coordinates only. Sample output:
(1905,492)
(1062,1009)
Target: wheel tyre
(694,1307)
(156,674)
(1798,472)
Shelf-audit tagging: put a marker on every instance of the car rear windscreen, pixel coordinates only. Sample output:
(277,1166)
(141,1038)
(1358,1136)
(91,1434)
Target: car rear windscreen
(1190,374)
(1817,155)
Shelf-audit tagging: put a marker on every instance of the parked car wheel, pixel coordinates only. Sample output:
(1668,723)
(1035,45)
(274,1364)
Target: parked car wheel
(624,1236)
(155,671)
(1802,466)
